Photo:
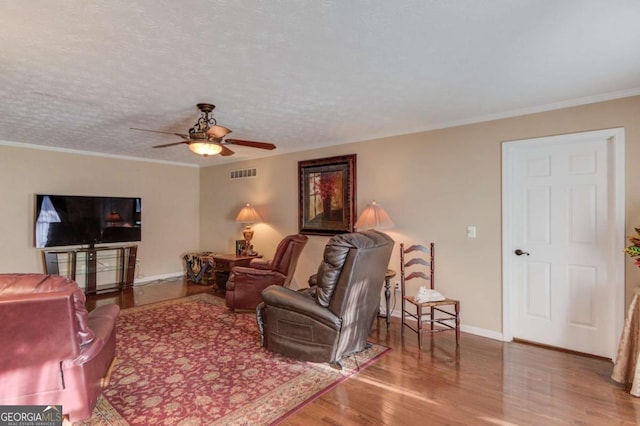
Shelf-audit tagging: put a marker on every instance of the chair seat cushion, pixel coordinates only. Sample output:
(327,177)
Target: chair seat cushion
(411,299)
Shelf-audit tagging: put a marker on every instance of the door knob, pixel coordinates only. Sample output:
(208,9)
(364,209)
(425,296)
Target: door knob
(519,252)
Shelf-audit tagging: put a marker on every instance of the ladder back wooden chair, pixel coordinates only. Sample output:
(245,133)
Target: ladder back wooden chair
(417,263)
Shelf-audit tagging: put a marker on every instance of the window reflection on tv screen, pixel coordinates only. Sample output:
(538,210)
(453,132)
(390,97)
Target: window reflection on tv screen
(66,220)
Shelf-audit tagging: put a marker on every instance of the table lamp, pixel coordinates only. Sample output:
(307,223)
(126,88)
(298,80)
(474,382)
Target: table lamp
(248,215)
(374,217)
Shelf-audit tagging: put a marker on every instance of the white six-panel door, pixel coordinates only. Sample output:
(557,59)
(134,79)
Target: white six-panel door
(560,242)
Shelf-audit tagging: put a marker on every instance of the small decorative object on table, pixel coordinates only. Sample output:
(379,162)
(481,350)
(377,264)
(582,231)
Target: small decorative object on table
(634,249)
(240,247)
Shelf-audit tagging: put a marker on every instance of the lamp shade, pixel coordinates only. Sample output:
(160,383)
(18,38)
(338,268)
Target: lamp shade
(205,148)
(248,214)
(374,217)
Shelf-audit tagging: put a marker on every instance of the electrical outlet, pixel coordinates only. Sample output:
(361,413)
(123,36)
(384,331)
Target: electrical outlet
(397,285)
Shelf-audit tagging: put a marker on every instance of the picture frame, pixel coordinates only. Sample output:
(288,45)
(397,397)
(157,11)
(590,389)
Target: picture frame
(326,195)
(240,247)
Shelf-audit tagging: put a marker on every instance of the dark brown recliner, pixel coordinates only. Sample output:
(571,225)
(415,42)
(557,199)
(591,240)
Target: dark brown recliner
(245,284)
(53,351)
(334,320)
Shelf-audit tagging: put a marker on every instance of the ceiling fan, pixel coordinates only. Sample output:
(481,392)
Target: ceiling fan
(207,138)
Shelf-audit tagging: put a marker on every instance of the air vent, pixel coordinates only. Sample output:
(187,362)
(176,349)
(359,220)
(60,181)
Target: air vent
(243,174)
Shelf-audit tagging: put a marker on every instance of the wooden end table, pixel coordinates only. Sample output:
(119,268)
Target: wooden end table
(221,265)
(210,268)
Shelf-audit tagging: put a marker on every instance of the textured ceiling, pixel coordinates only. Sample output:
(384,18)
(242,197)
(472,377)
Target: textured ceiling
(78,75)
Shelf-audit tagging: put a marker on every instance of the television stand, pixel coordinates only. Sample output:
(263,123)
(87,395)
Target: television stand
(120,260)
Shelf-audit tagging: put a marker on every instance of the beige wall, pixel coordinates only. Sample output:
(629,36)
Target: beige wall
(433,184)
(169,194)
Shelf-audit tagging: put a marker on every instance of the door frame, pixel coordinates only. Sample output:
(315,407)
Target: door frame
(616,181)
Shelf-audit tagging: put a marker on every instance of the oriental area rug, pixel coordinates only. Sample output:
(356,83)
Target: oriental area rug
(191,361)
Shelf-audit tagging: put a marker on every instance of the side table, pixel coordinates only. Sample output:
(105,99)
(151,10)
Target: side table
(387,294)
(208,268)
(198,266)
(222,265)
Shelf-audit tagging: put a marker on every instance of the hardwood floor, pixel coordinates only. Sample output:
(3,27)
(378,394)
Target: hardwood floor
(144,294)
(483,381)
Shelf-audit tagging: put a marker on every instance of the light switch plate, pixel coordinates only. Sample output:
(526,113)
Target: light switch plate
(471,231)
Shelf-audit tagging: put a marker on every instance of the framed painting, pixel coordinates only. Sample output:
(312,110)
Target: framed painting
(327,193)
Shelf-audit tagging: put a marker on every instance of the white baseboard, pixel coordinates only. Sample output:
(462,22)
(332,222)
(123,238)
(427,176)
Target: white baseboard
(495,335)
(144,280)
(482,332)
(490,334)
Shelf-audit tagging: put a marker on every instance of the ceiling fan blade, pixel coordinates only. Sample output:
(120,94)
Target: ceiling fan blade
(170,144)
(182,135)
(218,132)
(252,144)
(226,151)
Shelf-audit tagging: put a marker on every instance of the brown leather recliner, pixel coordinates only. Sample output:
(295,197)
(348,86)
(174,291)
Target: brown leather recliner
(53,351)
(334,320)
(245,284)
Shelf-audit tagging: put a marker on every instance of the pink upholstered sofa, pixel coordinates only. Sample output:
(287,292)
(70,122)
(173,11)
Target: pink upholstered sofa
(52,351)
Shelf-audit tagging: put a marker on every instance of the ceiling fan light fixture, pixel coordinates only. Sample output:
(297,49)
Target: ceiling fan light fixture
(218,132)
(205,148)
(205,137)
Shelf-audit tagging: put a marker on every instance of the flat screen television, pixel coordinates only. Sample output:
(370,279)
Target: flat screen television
(68,220)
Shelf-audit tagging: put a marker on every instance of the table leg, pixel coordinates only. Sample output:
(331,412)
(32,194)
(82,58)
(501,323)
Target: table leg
(387,296)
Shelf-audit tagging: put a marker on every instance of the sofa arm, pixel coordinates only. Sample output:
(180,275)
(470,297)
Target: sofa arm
(243,277)
(260,264)
(291,300)
(313,280)
(102,322)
